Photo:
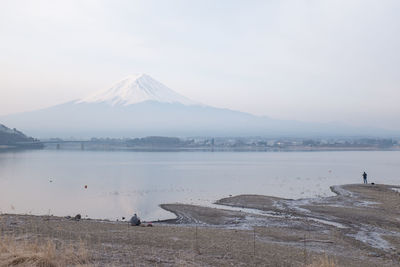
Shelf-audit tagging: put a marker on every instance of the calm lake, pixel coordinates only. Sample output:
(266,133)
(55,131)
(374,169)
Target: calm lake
(122,183)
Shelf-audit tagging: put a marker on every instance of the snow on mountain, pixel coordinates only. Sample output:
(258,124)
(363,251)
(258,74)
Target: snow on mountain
(135,89)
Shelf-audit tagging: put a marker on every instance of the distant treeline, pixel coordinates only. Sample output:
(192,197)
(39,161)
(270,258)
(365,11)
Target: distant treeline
(156,141)
(251,143)
(12,138)
(150,141)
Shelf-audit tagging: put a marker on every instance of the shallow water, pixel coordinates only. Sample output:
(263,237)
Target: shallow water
(121,183)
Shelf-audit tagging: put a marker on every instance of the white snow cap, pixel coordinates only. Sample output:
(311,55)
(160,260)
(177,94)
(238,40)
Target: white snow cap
(135,89)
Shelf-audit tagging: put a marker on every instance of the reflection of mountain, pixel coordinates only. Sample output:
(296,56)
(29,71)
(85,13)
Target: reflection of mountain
(140,106)
(14,138)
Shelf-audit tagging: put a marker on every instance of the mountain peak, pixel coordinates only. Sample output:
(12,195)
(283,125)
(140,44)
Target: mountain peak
(136,88)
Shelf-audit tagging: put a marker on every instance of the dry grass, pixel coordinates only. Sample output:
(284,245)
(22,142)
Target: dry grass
(323,261)
(41,253)
(52,241)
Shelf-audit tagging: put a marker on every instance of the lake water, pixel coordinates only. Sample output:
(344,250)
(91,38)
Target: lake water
(122,183)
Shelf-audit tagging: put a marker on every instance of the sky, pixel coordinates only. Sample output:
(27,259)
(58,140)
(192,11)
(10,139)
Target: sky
(315,60)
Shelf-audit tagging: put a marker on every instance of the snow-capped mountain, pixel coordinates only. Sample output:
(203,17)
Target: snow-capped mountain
(138,106)
(135,89)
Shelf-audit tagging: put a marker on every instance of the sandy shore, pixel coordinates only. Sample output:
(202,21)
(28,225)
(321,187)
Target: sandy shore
(358,227)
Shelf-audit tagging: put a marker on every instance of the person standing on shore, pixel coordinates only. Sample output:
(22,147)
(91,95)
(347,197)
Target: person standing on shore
(365,177)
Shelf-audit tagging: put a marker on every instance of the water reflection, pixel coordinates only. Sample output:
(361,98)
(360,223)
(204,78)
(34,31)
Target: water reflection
(122,183)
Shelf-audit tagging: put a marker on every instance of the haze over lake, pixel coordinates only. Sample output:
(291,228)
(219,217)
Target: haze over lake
(122,183)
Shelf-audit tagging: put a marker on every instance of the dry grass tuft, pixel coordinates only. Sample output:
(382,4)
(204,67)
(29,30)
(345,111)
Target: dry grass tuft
(39,253)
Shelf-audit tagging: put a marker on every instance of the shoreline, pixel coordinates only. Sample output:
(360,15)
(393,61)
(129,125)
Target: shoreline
(209,149)
(360,226)
(366,218)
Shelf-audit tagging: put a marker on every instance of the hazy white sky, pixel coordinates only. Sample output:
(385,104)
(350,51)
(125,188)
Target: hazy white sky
(304,60)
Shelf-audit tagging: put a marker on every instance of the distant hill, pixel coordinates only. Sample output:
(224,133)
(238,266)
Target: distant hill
(12,138)
(138,106)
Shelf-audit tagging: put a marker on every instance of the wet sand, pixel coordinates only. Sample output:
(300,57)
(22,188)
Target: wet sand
(360,221)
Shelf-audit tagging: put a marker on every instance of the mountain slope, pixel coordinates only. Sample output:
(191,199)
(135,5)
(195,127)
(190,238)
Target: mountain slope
(140,106)
(13,137)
